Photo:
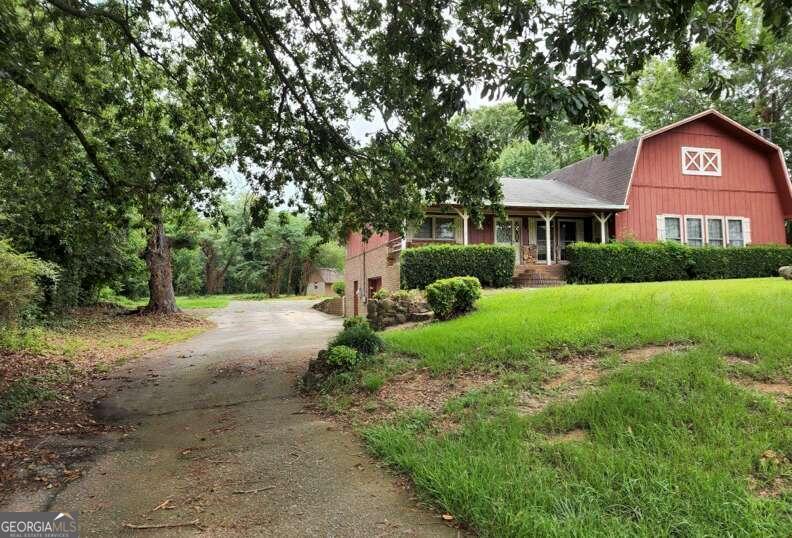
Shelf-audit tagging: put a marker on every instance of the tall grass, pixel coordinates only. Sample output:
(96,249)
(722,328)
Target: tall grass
(670,447)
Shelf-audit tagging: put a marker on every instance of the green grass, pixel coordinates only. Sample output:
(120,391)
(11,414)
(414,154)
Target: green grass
(670,447)
(743,317)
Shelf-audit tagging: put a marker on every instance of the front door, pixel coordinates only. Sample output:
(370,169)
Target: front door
(568,232)
(509,232)
(355,297)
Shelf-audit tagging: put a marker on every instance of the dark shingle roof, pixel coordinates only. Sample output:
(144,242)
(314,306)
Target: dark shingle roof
(548,193)
(605,178)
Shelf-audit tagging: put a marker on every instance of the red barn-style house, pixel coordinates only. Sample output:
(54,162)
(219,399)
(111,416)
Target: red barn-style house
(705,180)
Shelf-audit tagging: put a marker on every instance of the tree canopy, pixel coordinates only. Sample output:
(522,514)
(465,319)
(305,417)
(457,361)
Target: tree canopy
(131,107)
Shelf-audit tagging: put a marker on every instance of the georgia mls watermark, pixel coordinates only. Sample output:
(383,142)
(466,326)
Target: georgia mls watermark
(38,525)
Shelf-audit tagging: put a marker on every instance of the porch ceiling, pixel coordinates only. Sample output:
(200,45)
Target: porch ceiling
(550,194)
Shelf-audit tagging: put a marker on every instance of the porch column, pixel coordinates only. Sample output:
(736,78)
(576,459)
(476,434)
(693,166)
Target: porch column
(465,218)
(548,217)
(603,218)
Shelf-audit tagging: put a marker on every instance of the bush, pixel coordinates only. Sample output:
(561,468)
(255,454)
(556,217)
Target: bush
(343,358)
(493,265)
(19,276)
(354,321)
(339,288)
(631,261)
(451,297)
(360,337)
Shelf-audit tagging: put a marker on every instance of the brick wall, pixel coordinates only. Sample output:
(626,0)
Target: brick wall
(334,306)
(377,265)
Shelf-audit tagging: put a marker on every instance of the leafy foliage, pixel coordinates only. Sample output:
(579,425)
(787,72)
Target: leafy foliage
(343,357)
(452,297)
(645,262)
(492,265)
(19,282)
(523,159)
(339,288)
(361,337)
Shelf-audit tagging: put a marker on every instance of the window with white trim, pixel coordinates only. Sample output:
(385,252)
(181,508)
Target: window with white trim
(701,161)
(436,228)
(715,232)
(694,231)
(736,232)
(673,229)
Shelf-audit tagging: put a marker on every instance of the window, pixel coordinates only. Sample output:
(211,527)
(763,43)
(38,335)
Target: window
(436,228)
(425,230)
(673,230)
(701,161)
(715,232)
(694,231)
(444,228)
(736,234)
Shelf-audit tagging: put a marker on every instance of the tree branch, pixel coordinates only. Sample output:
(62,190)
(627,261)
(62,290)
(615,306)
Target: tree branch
(63,111)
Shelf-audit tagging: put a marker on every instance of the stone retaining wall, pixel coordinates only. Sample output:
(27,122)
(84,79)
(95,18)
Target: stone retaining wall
(397,309)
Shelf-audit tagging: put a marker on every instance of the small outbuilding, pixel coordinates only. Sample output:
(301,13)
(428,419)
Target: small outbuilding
(321,279)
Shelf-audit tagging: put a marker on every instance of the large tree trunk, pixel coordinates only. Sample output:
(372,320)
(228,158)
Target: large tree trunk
(162,299)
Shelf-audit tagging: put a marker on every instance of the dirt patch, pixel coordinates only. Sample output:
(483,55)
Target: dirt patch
(781,391)
(773,488)
(572,436)
(776,486)
(643,354)
(736,360)
(420,389)
(578,374)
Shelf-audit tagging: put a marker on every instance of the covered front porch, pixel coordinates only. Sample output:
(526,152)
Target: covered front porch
(529,231)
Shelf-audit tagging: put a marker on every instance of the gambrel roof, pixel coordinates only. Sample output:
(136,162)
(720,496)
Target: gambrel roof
(604,182)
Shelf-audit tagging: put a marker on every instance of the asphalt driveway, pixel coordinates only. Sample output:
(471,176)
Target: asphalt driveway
(221,437)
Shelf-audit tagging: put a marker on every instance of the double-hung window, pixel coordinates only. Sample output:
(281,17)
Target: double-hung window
(715,232)
(436,228)
(694,231)
(736,233)
(673,229)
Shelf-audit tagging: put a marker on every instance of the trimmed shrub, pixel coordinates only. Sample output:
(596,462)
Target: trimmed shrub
(631,261)
(360,337)
(354,321)
(343,358)
(492,265)
(339,288)
(451,297)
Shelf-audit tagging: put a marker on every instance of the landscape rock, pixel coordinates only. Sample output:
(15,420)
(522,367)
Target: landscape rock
(786,272)
(396,309)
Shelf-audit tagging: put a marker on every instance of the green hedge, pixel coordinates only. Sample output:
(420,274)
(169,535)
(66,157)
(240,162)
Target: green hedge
(493,265)
(451,297)
(646,262)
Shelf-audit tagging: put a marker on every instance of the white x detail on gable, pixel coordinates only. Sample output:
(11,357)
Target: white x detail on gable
(701,161)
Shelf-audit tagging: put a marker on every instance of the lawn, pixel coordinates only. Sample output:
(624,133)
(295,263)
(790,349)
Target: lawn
(579,434)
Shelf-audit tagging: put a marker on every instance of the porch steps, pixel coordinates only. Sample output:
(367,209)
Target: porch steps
(539,276)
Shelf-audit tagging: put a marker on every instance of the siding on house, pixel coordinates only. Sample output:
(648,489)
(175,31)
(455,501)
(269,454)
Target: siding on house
(748,186)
